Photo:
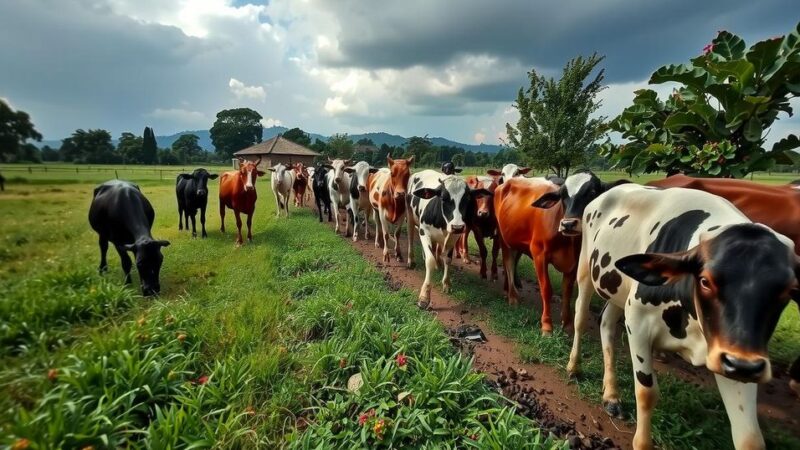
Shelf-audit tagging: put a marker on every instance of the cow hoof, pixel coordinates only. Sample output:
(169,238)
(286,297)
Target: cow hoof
(613,409)
(410,265)
(102,269)
(446,288)
(424,304)
(194,235)
(547,333)
(795,386)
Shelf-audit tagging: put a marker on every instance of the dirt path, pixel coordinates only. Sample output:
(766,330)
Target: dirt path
(542,390)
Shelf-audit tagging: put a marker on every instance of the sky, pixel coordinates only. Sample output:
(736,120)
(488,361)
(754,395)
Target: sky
(410,67)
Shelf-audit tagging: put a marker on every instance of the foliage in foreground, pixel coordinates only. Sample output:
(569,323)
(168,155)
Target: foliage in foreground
(714,123)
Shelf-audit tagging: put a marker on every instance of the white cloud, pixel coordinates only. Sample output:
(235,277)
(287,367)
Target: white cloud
(479,137)
(242,91)
(270,122)
(335,105)
(179,115)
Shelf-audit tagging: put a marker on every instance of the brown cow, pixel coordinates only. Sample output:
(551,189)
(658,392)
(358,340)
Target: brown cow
(301,178)
(534,232)
(237,191)
(777,207)
(481,221)
(387,195)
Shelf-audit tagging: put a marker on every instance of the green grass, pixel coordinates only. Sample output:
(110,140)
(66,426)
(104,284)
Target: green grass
(249,347)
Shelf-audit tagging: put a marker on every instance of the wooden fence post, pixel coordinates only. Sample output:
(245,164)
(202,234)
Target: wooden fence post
(116,175)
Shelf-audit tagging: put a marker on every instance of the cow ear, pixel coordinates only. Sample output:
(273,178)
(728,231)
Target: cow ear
(494,172)
(261,173)
(186,176)
(349,170)
(482,192)
(458,170)
(547,201)
(657,269)
(328,166)
(410,161)
(524,170)
(607,186)
(212,176)
(163,243)
(373,170)
(130,247)
(271,169)
(426,193)
(389,160)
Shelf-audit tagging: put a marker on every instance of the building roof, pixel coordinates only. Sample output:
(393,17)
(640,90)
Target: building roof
(277,146)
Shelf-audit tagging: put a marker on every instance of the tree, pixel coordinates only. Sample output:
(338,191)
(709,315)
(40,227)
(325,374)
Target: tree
(168,157)
(298,136)
(187,149)
(458,159)
(715,122)
(15,130)
(89,147)
(149,147)
(556,129)
(365,141)
(340,146)
(129,148)
(49,153)
(234,130)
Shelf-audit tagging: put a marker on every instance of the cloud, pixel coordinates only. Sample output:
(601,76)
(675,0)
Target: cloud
(335,105)
(479,137)
(190,118)
(242,91)
(270,122)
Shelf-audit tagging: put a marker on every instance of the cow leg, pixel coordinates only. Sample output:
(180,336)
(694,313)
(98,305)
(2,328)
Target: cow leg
(278,204)
(740,404)
(545,288)
(646,390)
(335,208)
(510,265)
(410,230)
(378,231)
(238,228)
(287,203)
(430,265)
(250,227)
(194,224)
(567,284)
(385,235)
(585,292)
(180,218)
(103,251)
(794,376)
(396,236)
(318,202)
(446,277)
(221,217)
(483,252)
(203,221)
(495,249)
(608,336)
(368,214)
(125,259)
(353,216)
(517,281)
(465,246)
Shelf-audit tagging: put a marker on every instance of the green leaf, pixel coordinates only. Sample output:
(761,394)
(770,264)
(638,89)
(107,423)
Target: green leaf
(682,73)
(676,121)
(715,170)
(788,143)
(740,69)
(756,100)
(729,46)
(752,130)
(707,112)
(763,54)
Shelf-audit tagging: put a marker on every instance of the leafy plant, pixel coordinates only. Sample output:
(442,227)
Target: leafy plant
(715,122)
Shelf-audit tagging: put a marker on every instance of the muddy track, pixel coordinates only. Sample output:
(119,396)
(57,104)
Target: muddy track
(542,390)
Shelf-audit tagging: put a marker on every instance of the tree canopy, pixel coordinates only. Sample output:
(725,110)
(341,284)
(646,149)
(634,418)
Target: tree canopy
(298,136)
(89,147)
(149,147)
(187,149)
(234,130)
(129,148)
(15,130)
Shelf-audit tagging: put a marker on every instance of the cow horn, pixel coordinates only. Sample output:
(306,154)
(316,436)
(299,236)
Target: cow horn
(258,161)
(241,160)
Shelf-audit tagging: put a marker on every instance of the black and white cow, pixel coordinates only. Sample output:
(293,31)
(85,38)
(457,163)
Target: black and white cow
(449,168)
(191,189)
(437,207)
(322,197)
(359,196)
(692,275)
(339,190)
(120,213)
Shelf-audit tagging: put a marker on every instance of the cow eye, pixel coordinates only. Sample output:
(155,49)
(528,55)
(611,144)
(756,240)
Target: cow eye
(705,284)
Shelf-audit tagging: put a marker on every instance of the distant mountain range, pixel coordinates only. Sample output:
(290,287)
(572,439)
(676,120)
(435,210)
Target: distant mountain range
(378,138)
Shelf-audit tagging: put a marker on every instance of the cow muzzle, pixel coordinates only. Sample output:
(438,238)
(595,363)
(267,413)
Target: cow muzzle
(457,229)
(570,227)
(362,189)
(201,193)
(338,180)
(748,370)
(249,188)
(483,214)
(399,195)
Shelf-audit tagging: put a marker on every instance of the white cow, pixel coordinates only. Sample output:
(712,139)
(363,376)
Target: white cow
(692,275)
(282,182)
(507,172)
(310,187)
(339,189)
(437,208)
(359,196)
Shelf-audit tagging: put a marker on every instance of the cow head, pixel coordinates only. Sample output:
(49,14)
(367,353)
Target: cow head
(359,174)
(148,264)
(200,177)
(482,204)
(248,170)
(576,193)
(400,172)
(742,279)
(338,166)
(448,168)
(300,172)
(279,171)
(320,178)
(507,172)
(454,197)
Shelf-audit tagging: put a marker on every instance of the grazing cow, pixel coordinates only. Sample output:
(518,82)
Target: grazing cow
(2,182)
(482,222)
(437,208)
(508,172)
(691,274)
(777,207)
(281,183)
(448,168)
(339,190)
(387,194)
(120,213)
(322,197)
(310,183)
(301,180)
(534,232)
(237,191)
(359,198)
(192,192)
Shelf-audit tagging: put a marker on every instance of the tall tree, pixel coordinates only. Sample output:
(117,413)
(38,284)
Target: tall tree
(187,149)
(365,141)
(129,148)
(298,136)
(234,130)
(15,129)
(341,146)
(89,147)
(149,147)
(556,129)
(49,153)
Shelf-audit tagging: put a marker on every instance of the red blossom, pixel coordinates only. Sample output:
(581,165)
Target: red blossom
(401,360)
(708,48)
(52,375)
(362,419)
(343,363)
(203,379)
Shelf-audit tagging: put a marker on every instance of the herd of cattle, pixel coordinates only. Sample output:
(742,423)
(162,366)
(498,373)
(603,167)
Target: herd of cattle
(700,267)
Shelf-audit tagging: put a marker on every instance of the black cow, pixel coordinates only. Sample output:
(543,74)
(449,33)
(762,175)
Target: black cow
(322,197)
(449,168)
(120,213)
(192,192)
(2,182)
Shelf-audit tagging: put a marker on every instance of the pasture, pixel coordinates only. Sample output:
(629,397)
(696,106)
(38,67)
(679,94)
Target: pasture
(254,347)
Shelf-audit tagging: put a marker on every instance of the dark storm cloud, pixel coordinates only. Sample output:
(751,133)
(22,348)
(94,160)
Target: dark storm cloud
(636,36)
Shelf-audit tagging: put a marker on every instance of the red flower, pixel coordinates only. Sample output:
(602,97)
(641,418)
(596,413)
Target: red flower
(203,379)
(362,419)
(708,48)
(474,436)
(21,444)
(401,360)
(52,375)
(343,363)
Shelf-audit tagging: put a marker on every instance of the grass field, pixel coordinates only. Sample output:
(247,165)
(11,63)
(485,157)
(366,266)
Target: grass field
(249,347)
(254,347)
